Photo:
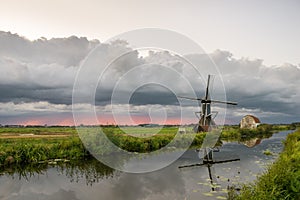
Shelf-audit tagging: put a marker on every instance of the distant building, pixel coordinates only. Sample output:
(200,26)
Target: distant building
(250,122)
(14,126)
(181,130)
(148,125)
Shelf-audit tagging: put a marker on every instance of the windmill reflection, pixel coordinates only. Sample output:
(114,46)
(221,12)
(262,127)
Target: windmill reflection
(207,159)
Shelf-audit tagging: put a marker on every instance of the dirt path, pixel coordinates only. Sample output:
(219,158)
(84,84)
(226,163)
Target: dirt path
(7,136)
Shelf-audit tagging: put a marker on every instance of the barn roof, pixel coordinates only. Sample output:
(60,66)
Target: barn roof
(255,118)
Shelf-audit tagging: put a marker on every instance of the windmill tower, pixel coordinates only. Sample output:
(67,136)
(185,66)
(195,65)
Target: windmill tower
(206,120)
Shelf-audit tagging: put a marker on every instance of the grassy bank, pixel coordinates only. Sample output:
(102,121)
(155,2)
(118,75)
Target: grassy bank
(139,140)
(18,146)
(25,145)
(281,180)
(30,150)
(235,133)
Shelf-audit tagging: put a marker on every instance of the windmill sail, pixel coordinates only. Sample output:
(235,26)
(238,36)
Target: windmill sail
(209,87)
(206,122)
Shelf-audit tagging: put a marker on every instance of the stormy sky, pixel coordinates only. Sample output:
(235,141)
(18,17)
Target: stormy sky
(255,47)
(37,77)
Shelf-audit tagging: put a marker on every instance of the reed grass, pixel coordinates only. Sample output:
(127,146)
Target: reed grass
(281,180)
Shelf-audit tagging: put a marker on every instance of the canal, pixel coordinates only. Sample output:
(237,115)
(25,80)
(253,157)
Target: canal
(90,179)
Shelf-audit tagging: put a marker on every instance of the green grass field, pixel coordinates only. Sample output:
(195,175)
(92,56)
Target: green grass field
(38,130)
(34,144)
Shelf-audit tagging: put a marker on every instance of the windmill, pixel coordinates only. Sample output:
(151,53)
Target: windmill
(206,119)
(206,123)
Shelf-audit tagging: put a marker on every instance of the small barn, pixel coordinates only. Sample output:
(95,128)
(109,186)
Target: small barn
(250,122)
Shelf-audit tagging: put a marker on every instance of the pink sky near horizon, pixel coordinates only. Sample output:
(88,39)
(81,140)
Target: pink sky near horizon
(107,120)
(86,120)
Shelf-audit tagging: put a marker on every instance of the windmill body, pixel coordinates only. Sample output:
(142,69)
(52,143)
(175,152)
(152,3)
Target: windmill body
(206,122)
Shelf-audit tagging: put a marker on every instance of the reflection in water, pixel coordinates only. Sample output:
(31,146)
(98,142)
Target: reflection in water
(91,170)
(252,142)
(89,179)
(162,184)
(23,171)
(208,160)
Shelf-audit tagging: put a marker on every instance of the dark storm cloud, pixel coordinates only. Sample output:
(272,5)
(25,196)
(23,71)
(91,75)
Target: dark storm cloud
(64,51)
(163,98)
(13,93)
(40,70)
(45,70)
(256,86)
